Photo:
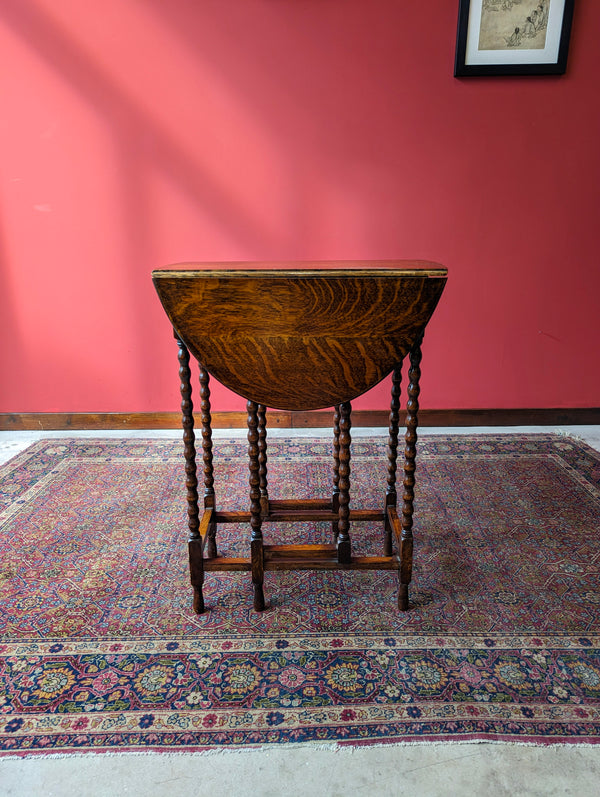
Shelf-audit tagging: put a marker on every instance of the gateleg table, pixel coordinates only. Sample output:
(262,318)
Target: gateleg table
(300,336)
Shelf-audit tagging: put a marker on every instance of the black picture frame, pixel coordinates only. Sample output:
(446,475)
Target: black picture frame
(501,59)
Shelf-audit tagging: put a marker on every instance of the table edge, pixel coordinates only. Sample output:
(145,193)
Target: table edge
(286,273)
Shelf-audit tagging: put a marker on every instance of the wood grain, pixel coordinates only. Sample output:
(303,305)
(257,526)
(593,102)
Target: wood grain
(303,339)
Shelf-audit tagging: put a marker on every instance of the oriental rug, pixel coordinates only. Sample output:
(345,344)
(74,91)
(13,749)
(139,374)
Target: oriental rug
(100,651)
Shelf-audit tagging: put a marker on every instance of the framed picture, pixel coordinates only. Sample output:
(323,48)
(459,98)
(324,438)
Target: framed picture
(513,37)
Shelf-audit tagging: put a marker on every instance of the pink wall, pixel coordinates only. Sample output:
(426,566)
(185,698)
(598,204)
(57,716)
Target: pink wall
(137,133)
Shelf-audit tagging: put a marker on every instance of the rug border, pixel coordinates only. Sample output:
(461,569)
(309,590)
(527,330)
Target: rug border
(478,737)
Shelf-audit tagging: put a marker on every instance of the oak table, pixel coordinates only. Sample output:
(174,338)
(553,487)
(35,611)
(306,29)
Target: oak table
(300,336)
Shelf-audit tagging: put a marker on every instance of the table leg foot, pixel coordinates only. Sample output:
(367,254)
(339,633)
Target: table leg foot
(196,572)
(403,598)
(198,600)
(344,551)
(259,598)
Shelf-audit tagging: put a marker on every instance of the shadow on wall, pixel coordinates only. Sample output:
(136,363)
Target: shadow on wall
(143,147)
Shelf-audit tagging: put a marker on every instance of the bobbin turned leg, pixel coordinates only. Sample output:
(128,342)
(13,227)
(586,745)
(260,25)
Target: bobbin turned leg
(262,460)
(191,480)
(390,492)
(256,543)
(410,453)
(344,549)
(207,459)
(335,499)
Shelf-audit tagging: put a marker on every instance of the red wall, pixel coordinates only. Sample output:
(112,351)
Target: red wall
(137,133)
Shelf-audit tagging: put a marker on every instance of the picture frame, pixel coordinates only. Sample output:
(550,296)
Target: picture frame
(513,37)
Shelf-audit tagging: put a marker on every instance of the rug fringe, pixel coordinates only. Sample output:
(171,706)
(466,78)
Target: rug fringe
(344,749)
(571,435)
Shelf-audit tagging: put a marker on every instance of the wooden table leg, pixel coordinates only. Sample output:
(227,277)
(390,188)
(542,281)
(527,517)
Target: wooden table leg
(410,453)
(335,498)
(191,480)
(390,492)
(344,549)
(207,458)
(262,460)
(256,543)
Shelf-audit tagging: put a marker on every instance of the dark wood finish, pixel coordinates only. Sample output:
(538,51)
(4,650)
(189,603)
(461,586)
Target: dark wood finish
(189,438)
(207,458)
(297,339)
(344,547)
(262,459)
(207,454)
(313,419)
(256,542)
(336,471)
(195,542)
(305,560)
(394,422)
(296,510)
(410,454)
(197,568)
(302,338)
(331,563)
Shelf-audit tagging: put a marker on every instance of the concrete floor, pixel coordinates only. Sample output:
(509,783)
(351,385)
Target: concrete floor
(420,770)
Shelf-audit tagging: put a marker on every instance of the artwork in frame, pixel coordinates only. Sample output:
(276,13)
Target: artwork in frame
(513,37)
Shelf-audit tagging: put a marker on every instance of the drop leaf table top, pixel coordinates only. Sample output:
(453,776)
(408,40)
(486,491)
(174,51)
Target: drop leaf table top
(300,336)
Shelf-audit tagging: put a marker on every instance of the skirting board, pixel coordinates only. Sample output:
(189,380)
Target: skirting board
(47,421)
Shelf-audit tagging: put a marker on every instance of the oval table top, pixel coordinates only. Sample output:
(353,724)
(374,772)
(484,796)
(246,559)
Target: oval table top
(300,336)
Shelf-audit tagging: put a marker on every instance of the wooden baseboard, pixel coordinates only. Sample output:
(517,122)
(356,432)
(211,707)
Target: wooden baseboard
(64,421)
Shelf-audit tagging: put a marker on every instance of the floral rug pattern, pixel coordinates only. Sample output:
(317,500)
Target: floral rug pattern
(99,648)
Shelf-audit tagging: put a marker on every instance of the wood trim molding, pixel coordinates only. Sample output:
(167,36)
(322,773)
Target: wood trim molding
(64,421)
